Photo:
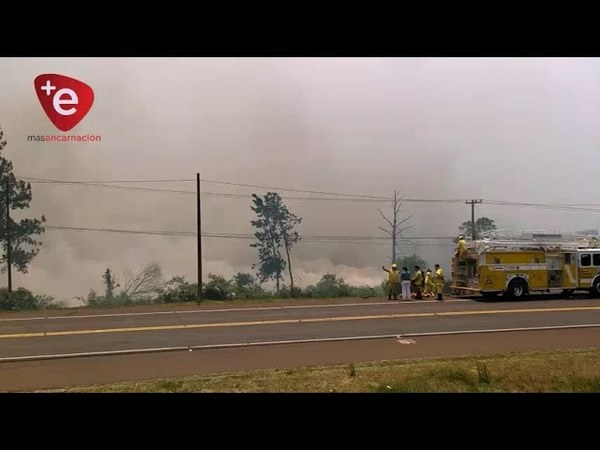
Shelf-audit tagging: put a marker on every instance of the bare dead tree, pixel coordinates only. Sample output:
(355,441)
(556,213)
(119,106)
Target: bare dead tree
(395,231)
(147,281)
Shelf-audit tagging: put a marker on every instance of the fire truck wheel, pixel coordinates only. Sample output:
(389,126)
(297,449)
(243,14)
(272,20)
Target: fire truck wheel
(516,288)
(596,287)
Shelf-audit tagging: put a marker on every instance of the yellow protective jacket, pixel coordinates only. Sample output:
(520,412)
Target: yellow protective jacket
(428,280)
(393,277)
(461,249)
(417,278)
(439,276)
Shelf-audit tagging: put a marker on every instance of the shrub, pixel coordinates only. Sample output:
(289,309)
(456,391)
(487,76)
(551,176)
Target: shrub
(23,299)
(331,285)
(178,290)
(218,288)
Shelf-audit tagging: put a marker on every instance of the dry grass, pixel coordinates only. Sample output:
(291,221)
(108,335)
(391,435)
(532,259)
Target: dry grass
(560,371)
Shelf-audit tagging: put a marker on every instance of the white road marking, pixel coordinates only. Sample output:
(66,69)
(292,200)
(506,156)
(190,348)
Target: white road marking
(294,341)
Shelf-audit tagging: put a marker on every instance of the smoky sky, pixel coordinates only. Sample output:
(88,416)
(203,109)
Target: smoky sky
(505,129)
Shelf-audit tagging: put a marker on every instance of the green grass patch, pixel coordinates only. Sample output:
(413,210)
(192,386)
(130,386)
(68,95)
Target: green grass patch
(559,371)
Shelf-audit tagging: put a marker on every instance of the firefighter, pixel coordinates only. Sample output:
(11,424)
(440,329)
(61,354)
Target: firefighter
(417,281)
(439,281)
(429,284)
(393,281)
(461,248)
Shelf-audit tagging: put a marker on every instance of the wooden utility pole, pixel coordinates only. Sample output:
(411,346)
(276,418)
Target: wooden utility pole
(473,202)
(199,236)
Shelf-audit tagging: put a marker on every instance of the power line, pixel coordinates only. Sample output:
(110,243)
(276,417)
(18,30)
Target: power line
(590,207)
(551,206)
(222,194)
(347,197)
(257,186)
(178,191)
(328,238)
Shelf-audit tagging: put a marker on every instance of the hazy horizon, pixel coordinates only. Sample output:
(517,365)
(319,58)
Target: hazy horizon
(505,129)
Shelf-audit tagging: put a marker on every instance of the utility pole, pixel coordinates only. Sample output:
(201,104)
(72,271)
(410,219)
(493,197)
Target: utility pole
(394,224)
(7,232)
(473,202)
(199,236)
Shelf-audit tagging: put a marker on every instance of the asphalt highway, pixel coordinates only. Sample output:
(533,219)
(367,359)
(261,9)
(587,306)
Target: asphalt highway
(344,329)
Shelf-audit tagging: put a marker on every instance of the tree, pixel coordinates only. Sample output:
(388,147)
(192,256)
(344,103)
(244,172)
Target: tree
(411,261)
(22,235)
(287,222)
(482,225)
(275,229)
(271,264)
(394,231)
(92,298)
(244,280)
(110,284)
(147,281)
(246,286)
(331,285)
(24,299)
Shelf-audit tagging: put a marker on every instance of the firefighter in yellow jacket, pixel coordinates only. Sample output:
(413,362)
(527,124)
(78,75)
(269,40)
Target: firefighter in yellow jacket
(417,282)
(429,284)
(461,249)
(393,281)
(439,281)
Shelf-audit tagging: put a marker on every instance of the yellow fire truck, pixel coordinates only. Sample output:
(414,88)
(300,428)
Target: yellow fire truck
(515,267)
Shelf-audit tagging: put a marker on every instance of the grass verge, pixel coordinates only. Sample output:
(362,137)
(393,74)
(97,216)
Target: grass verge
(558,371)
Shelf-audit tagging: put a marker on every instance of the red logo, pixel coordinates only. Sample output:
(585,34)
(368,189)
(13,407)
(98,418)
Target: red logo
(65,100)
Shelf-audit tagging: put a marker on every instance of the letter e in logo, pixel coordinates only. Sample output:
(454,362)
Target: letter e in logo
(65,100)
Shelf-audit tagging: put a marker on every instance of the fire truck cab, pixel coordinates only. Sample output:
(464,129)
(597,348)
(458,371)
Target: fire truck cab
(515,267)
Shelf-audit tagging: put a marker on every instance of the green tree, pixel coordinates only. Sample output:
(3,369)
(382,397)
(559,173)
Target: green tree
(274,230)
(268,239)
(244,280)
(287,221)
(331,285)
(92,298)
(23,244)
(246,286)
(482,225)
(24,299)
(411,261)
(110,284)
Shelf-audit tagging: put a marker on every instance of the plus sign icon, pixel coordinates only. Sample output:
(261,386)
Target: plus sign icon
(65,100)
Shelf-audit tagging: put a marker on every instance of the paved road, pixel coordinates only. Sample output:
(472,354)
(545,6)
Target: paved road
(50,336)
(60,373)
(28,336)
